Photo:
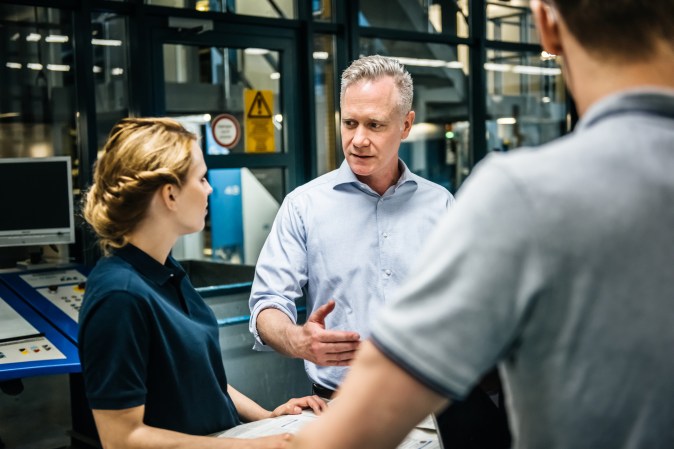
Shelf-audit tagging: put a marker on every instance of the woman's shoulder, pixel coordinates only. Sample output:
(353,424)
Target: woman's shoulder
(113,273)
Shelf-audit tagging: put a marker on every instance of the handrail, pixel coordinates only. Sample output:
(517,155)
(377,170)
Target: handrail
(214,290)
(231,321)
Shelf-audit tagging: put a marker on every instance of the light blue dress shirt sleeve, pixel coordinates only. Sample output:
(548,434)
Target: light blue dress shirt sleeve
(281,271)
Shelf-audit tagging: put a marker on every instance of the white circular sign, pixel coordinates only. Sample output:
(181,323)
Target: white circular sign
(226,130)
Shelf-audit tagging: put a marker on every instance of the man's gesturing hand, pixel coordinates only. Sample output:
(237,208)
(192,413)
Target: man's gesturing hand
(324,347)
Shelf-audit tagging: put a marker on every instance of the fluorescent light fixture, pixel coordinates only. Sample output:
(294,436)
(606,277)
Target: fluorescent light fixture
(14,37)
(506,120)
(430,63)
(522,69)
(321,55)
(117,71)
(56,38)
(33,37)
(9,114)
(97,69)
(58,67)
(493,67)
(545,100)
(275,75)
(256,51)
(531,70)
(107,42)
(34,66)
(13,65)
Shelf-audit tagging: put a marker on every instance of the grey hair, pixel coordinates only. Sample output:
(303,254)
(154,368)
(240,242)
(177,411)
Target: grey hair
(375,67)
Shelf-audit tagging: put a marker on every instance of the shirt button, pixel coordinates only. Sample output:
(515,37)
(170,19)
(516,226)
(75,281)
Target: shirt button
(387,272)
(385,235)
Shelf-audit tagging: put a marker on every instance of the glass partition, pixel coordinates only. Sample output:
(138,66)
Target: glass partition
(438,145)
(448,17)
(526,102)
(110,47)
(242,209)
(37,96)
(511,22)
(278,9)
(206,83)
(231,99)
(323,10)
(326,84)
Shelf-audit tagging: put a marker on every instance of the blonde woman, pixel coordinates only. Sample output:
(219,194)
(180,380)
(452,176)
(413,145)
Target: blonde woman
(148,343)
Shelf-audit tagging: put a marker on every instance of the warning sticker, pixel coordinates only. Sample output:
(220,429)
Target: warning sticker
(259,125)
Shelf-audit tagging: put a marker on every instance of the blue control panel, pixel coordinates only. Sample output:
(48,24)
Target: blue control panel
(29,345)
(55,293)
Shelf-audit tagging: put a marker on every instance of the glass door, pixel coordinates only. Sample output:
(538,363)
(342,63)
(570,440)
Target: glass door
(234,91)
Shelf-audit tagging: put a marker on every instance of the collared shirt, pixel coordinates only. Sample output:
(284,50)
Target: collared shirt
(336,238)
(557,264)
(146,337)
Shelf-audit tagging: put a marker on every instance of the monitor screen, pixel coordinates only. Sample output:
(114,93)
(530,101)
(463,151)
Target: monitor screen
(37,201)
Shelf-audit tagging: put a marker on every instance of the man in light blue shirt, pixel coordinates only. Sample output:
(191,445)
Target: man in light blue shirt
(345,239)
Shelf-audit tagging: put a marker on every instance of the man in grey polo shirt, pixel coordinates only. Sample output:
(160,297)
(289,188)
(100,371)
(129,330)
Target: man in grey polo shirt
(559,268)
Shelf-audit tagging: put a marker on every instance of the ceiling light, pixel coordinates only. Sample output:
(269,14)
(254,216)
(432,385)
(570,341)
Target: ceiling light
(531,70)
(58,67)
(107,42)
(256,51)
(497,67)
(56,38)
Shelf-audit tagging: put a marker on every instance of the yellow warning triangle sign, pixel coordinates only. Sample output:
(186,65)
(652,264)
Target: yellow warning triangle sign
(259,108)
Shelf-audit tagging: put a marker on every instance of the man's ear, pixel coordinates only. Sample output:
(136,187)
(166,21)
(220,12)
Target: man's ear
(407,124)
(547,24)
(168,194)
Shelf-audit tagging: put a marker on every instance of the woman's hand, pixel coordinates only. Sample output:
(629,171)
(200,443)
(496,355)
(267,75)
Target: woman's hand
(295,406)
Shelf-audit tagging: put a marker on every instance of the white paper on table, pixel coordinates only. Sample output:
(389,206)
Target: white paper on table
(416,439)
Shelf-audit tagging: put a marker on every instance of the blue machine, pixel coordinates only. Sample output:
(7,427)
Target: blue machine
(47,341)
(55,293)
(226,209)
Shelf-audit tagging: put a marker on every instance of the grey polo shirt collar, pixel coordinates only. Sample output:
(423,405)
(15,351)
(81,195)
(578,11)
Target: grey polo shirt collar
(647,101)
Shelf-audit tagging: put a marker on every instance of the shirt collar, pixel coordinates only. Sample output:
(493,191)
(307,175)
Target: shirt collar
(346,176)
(651,101)
(149,267)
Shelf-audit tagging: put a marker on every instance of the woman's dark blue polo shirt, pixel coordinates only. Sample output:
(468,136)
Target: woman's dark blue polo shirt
(147,337)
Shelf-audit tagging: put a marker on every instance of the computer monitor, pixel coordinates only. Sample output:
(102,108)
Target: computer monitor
(36,195)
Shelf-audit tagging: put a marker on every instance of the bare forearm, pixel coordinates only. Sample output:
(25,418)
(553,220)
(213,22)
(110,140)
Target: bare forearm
(276,330)
(123,429)
(248,409)
(364,415)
